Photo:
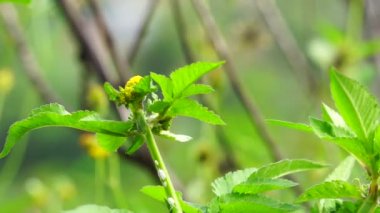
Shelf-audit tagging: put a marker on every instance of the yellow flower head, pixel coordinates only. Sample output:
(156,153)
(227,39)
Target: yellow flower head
(128,92)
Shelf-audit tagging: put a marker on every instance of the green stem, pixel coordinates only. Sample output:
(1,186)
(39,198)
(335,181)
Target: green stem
(355,19)
(163,174)
(370,203)
(114,181)
(99,180)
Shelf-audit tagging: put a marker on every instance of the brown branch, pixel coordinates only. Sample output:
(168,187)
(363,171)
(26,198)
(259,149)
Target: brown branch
(180,27)
(121,68)
(29,62)
(218,43)
(229,163)
(287,43)
(91,60)
(80,32)
(152,6)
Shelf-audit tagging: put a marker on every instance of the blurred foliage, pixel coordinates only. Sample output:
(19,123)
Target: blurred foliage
(57,173)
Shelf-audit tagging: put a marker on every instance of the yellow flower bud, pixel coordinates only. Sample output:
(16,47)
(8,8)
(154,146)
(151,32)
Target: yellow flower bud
(127,93)
(6,81)
(133,81)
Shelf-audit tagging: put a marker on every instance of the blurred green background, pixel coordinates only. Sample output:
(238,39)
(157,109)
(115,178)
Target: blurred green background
(49,170)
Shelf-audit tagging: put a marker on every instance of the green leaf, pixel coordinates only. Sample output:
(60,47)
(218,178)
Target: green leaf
(155,192)
(356,105)
(165,84)
(331,189)
(355,147)
(48,115)
(185,76)
(137,142)
(284,167)
(377,140)
(111,92)
(158,106)
(225,184)
(176,137)
(96,209)
(144,86)
(158,193)
(109,142)
(333,117)
(196,89)
(341,172)
(17,1)
(259,185)
(238,203)
(327,130)
(191,108)
(297,126)
(342,138)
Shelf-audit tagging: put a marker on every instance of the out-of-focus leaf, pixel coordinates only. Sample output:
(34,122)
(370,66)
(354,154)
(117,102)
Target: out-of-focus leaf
(259,185)
(297,126)
(331,189)
(96,209)
(17,1)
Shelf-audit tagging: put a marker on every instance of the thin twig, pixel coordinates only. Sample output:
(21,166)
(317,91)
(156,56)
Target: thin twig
(152,6)
(287,43)
(229,164)
(29,62)
(218,43)
(90,57)
(121,68)
(180,27)
(80,31)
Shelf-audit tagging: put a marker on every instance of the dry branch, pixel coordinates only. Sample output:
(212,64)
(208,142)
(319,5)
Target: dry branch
(29,62)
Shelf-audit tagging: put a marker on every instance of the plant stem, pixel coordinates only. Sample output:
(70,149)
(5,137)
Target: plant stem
(114,181)
(99,180)
(163,174)
(370,203)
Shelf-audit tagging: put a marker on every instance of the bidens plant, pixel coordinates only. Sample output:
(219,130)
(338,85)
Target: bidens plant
(149,115)
(355,128)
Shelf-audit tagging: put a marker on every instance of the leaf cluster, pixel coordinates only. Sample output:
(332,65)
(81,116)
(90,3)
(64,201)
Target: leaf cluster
(244,190)
(354,127)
